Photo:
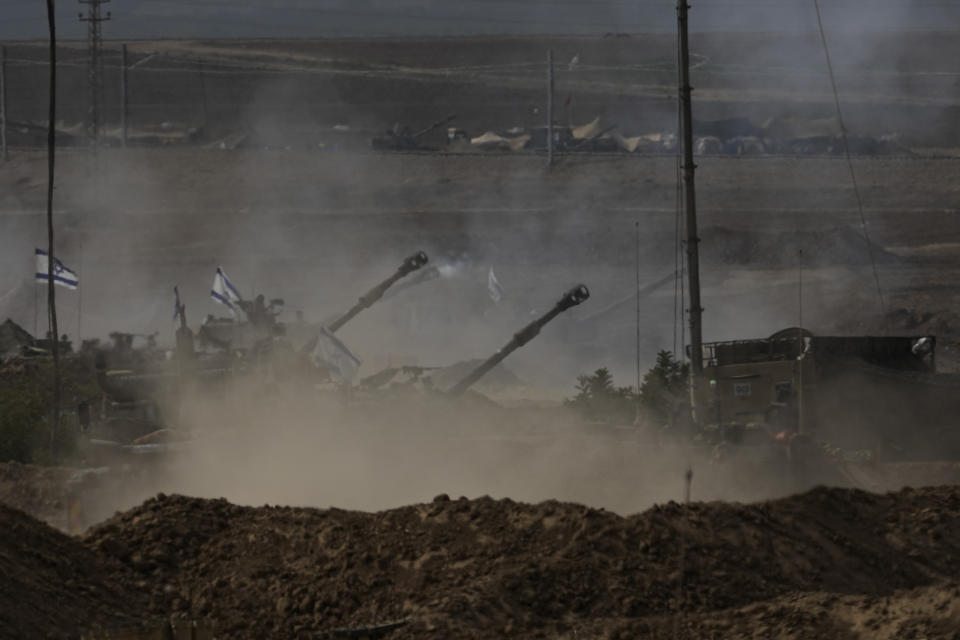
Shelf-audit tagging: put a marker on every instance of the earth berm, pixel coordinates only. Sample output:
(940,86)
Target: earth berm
(844,563)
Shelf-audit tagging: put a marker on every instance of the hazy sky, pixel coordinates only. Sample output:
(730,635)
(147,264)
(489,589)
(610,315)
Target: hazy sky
(25,19)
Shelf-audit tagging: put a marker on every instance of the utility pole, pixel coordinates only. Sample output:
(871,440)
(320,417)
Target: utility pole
(693,241)
(3,102)
(636,353)
(123,96)
(203,94)
(93,18)
(549,108)
(51,293)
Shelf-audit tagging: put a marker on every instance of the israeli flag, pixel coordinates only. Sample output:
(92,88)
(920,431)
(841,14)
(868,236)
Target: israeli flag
(224,292)
(328,352)
(574,62)
(494,287)
(61,275)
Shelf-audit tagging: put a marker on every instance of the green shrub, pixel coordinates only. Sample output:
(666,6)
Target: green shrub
(26,412)
(664,394)
(663,397)
(598,399)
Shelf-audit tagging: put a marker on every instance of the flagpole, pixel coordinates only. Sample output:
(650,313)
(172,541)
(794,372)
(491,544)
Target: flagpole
(36,302)
(636,225)
(79,298)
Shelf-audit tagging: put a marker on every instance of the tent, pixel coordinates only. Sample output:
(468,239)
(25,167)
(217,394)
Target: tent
(588,130)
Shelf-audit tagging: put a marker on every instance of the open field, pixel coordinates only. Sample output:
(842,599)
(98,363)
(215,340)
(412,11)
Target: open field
(292,92)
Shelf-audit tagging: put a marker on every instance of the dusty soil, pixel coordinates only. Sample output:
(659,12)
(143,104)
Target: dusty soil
(54,586)
(69,499)
(841,563)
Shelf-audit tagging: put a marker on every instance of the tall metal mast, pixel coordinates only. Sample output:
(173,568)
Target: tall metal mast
(93,18)
(693,241)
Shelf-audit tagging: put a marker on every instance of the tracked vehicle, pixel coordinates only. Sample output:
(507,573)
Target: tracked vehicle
(136,387)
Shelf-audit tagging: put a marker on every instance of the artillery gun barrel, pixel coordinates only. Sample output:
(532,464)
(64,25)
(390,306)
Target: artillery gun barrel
(409,265)
(426,275)
(438,123)
(571,298)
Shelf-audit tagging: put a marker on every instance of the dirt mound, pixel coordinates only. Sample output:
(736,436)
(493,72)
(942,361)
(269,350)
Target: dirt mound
(39,491)
(924,612)
(65,498)
(489,568)
(55,587)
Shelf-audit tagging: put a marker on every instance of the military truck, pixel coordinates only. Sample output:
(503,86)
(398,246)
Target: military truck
(882,394)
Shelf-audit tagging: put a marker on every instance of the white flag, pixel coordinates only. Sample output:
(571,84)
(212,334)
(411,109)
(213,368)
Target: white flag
(575,62)
(493,287)
(330,353)
(61,275)
(224,292)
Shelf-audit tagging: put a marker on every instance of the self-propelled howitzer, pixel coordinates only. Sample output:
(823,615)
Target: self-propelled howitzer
(571,298)
(411,264)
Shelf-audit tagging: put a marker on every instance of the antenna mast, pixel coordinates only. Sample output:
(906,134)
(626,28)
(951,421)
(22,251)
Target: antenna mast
(94,71)
(693,242)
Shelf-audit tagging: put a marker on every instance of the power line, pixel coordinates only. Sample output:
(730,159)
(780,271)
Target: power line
(853,175)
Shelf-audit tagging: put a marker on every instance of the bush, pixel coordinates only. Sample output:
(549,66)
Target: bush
(21,416)
(664,394)
(26,409)
(663,397)
(599,400)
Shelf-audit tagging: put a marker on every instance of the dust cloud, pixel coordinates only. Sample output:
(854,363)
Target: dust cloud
(254,444)
(318,226)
